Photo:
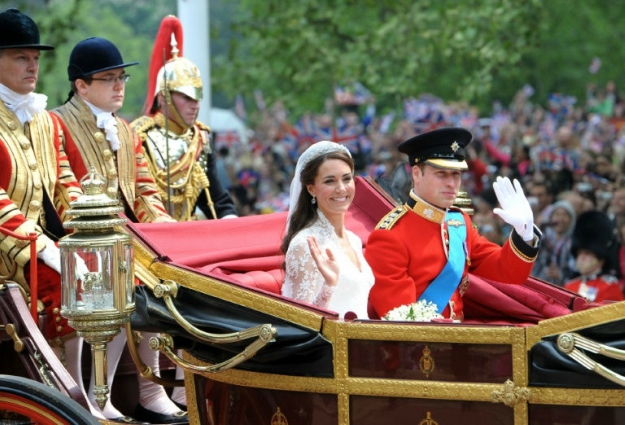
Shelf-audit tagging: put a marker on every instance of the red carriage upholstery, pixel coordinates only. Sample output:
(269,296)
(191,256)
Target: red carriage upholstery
(246,251)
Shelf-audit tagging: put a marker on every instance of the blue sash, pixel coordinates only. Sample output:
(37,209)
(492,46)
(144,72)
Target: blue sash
(443,286)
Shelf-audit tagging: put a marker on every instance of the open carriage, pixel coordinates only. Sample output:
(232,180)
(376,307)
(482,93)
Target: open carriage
(525,354)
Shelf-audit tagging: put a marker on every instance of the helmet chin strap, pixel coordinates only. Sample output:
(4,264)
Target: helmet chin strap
(174,117)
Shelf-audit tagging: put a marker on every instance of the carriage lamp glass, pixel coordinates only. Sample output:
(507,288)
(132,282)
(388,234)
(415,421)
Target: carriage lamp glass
(97,273)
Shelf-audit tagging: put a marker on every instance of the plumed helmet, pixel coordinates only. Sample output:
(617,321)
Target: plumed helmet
(94,55)
(169,71)
(19,31)
(182,76)
(595,232)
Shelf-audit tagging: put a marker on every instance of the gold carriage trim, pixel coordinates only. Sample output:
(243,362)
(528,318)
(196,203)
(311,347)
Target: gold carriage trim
(510,395)
(426,362)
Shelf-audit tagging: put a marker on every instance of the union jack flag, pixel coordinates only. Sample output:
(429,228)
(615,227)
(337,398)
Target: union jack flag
(306,129)
(347,135)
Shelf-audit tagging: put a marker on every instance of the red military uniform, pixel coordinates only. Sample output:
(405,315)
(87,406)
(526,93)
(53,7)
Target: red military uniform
(596,288)
(407,251)
(36,187)
(89,147)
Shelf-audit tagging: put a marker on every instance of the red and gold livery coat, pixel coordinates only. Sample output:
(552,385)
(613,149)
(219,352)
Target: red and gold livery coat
(34,174)
(88,147)
(32,163)
(407,251)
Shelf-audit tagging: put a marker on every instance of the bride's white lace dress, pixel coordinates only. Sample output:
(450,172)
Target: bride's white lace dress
(304,282)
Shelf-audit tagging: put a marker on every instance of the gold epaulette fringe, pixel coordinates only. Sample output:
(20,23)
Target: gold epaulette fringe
(389,220)
(141,125)
(203,126)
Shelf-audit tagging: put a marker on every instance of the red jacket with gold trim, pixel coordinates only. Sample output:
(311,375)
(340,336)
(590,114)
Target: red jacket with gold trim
(35,182)
(36,188)
(407,250)
(128,166)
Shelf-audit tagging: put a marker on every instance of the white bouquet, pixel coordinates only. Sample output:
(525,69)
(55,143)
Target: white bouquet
(421,311)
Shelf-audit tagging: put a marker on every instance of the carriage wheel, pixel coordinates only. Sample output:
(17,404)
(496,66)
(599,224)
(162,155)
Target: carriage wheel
(27,402)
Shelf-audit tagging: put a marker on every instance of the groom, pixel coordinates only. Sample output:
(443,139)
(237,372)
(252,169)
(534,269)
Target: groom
(425,249)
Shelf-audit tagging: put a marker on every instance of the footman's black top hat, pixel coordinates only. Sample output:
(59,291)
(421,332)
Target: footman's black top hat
(18,31)
(94,55)
(441,148)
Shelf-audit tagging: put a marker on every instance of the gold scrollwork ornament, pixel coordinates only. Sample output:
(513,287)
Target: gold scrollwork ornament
(426,362)
(278,418)
(510,395)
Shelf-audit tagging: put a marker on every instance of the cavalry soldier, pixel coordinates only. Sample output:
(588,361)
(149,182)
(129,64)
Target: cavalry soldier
(425,249)
(178,146)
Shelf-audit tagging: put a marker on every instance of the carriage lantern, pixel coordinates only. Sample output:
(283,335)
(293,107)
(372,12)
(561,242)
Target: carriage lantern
(97,289)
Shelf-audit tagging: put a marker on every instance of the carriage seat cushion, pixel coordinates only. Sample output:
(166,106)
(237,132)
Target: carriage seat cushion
(270,281)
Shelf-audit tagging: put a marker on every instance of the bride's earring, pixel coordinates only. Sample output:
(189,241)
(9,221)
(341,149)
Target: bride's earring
(313,200)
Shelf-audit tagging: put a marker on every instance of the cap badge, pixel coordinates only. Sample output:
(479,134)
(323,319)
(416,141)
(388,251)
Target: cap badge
(455,146)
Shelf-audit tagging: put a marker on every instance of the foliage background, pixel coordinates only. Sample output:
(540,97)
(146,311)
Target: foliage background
(473,50)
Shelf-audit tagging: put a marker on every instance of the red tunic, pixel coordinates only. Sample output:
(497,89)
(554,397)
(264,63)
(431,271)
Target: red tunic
(597,289)
(407,251)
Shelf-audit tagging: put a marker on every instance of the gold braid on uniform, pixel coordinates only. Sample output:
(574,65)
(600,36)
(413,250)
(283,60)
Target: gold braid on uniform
(186,175)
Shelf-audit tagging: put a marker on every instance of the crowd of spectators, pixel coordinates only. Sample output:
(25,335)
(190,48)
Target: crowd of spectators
(568,154)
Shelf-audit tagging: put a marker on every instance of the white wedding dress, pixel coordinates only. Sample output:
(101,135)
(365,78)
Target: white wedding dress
(304,282)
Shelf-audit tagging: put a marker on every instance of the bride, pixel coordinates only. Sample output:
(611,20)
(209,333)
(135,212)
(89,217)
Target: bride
(324,264)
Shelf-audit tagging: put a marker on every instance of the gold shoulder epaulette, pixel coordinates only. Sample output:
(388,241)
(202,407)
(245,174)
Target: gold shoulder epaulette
(389,220)
(142,124)
(203,126)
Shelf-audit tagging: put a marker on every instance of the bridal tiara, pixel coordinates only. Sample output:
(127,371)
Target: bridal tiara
(318,149)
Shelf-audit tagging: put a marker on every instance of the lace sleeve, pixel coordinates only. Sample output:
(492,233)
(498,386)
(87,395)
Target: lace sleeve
(303,281)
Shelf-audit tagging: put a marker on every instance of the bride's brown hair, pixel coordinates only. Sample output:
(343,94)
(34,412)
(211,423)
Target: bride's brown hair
(305,212)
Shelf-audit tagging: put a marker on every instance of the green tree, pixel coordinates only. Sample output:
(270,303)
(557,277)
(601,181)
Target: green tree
(299,50)
(568,40)
(474,50)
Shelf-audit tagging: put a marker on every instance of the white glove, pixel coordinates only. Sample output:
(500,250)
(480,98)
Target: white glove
(515,208)
(81,267)
(51,256)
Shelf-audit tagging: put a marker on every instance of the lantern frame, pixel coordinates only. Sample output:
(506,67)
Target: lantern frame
(97,259)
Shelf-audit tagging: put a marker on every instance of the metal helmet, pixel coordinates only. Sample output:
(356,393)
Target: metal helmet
(169,70)
(179,75)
